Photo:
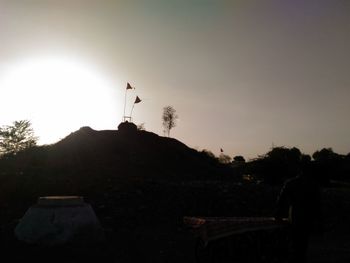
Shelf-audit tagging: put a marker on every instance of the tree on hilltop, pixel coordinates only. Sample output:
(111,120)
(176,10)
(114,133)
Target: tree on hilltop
(224,158)
(169,118)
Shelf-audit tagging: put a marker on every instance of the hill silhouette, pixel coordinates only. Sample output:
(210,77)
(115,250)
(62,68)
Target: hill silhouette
(87,158)
(132,152)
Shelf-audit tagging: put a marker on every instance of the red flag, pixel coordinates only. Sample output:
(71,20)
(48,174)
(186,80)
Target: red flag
(137,100)
(128,86)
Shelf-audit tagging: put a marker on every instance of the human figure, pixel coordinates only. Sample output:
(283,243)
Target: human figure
(299,200)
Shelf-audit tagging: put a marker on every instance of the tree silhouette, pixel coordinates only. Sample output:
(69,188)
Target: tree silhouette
(326,154)
(17,137)
(277,165)
(329,165)
(169,118)
(224,158)
(239,158)
(141,127)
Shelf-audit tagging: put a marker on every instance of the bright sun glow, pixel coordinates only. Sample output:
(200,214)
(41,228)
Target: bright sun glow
(58,95)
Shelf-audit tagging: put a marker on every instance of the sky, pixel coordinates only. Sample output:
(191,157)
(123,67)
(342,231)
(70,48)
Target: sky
(243,76)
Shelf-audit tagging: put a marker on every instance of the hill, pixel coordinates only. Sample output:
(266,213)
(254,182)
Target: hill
(89,161)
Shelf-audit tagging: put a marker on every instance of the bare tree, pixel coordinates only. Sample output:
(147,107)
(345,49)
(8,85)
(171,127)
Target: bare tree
(169,118)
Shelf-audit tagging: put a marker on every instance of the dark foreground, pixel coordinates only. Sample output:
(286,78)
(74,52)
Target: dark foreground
(145,224)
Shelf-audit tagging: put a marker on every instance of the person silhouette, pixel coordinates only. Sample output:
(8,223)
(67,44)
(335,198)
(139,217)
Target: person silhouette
(299,200)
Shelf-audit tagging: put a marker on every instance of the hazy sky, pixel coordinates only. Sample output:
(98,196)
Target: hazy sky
(242,75)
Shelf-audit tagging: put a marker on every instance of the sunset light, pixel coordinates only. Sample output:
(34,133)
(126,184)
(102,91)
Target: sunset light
(58,95)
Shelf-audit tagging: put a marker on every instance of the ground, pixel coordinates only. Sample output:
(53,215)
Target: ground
(145,223)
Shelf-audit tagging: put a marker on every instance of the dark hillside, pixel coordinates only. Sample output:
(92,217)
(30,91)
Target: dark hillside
(93,163)
(137,153)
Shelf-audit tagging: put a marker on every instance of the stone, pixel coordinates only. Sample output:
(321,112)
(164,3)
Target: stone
(127,128)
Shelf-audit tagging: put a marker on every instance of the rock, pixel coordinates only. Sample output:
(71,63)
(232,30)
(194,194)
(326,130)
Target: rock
(127,128)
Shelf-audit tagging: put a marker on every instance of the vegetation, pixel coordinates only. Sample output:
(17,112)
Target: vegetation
(281,163)
(17,137)
(224,158)
(239,158)
(169,118)
(141,127)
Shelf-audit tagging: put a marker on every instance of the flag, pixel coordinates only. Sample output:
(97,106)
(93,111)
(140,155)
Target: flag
(128,86)
(137,100)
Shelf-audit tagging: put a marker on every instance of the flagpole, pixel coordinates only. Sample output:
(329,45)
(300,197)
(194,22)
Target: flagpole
(132,110)
(126,90)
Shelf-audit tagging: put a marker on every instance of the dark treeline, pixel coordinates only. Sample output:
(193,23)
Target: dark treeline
(281,163)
